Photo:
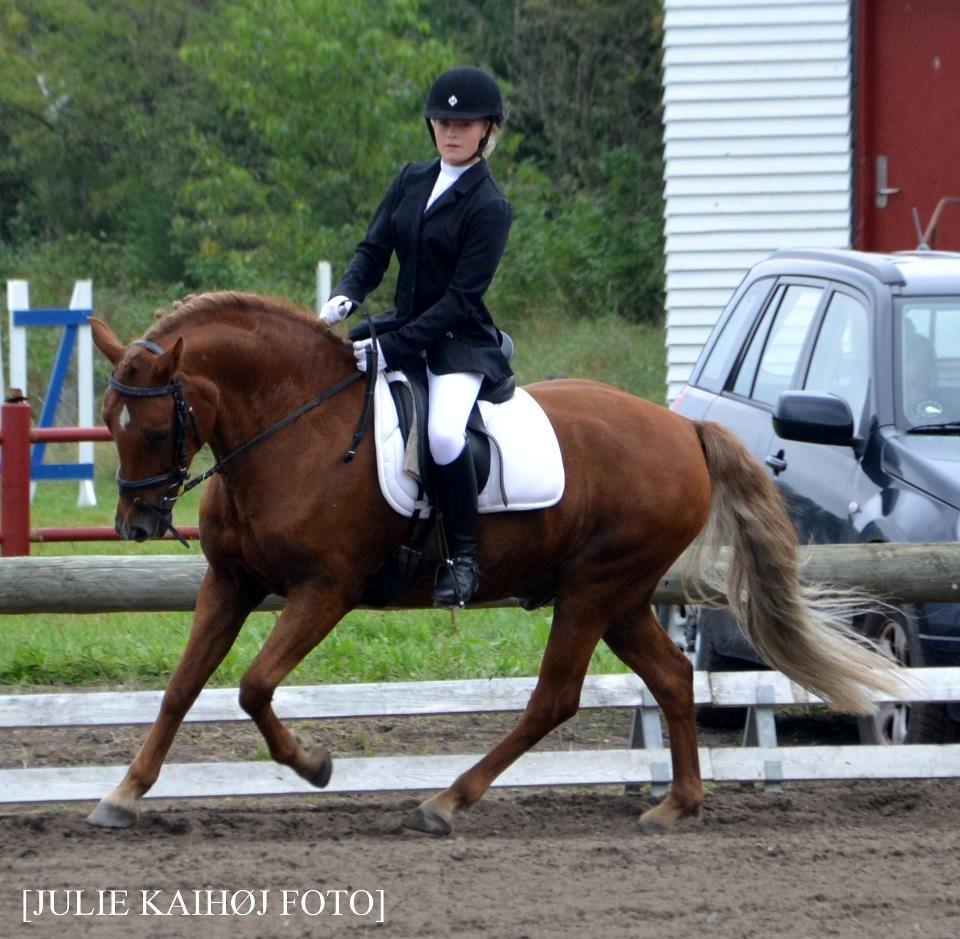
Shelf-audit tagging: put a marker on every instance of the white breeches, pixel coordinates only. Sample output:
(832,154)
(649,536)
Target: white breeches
(451,401)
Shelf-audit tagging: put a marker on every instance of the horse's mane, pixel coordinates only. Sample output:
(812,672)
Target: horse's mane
(198,308)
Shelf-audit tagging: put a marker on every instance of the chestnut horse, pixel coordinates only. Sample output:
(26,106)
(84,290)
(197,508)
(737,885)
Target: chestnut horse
(291,517)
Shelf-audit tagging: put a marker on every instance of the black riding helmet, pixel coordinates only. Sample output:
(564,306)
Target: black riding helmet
(464,94)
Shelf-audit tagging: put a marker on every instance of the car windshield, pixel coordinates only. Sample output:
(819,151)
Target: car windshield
(928,350)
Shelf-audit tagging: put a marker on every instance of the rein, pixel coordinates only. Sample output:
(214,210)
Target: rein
(185,417)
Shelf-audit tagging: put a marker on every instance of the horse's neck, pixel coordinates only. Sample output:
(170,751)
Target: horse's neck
(261,380)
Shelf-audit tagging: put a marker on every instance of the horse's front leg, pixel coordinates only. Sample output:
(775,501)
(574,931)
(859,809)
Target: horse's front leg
(308,616)
(223,605)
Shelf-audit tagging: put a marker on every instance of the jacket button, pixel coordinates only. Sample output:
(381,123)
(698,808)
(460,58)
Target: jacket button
(449,335)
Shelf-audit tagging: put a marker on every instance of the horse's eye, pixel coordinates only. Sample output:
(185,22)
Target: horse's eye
(157,437)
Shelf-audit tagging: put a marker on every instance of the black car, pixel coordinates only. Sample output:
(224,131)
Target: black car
(813,343)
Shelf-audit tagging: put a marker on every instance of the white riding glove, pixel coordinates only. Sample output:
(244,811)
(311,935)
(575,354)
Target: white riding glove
(360,351)
(336,309)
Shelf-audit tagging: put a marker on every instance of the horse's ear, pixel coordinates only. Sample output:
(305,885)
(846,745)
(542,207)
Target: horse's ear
(106,341)
(167,364)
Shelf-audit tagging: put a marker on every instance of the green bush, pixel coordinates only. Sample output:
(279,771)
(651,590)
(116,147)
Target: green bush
(584,252)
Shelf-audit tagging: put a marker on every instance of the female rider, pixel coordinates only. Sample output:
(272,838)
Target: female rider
(447,221)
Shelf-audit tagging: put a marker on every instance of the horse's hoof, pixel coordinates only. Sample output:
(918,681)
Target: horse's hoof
(111,815)
(427,821)
(321,775)
(651,826)
(661,818)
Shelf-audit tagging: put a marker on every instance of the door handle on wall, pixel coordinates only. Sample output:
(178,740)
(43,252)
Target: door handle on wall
(883,178)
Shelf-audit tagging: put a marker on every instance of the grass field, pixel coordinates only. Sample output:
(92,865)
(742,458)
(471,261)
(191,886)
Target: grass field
(139,650)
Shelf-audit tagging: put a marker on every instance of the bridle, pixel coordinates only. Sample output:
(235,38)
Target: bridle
(178,481)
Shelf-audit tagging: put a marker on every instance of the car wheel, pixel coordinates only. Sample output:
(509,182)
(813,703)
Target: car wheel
(707,659)
(895,632)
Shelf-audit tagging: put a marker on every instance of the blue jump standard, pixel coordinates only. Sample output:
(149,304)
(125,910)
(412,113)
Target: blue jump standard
(70,319)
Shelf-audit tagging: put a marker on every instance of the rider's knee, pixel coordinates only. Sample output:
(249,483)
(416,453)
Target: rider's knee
(445,445)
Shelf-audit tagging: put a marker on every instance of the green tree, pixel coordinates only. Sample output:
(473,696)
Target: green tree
(322,104)
(95,108)
(583,92)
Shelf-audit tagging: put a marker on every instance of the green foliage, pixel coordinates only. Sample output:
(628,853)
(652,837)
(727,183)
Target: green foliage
(323,108)
(201,144)
(92,108)
(584,75)
(585,252)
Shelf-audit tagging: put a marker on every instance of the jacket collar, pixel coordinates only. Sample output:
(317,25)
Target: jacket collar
(467,180)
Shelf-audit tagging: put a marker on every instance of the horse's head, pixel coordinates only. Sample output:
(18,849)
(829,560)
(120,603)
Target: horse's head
(159,418)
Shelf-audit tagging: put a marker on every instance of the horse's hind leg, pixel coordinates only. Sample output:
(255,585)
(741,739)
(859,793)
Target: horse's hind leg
(578,623)
(222,606)
(307,618)
(645,647)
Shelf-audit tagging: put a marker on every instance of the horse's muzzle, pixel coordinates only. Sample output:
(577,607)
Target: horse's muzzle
(139,525)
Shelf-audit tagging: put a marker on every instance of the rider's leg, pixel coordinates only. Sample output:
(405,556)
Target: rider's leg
(451,399)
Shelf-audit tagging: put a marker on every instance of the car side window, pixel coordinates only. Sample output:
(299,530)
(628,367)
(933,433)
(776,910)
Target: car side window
(748,366)
(840,363)
(722,357)
(785,344)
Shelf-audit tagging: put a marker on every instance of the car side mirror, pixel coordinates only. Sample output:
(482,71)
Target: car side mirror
(813,417)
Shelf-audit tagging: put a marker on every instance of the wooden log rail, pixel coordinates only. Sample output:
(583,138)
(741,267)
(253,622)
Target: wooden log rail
(907,573)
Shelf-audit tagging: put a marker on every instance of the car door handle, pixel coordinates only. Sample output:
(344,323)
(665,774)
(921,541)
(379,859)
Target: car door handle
(776,462)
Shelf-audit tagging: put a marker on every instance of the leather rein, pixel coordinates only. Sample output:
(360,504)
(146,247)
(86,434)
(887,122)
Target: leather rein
(179,480)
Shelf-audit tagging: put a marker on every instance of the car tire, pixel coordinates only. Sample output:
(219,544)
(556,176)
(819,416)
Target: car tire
(894,630)
(708,659)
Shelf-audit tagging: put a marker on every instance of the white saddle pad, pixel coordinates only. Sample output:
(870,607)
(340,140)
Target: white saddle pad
(532,477)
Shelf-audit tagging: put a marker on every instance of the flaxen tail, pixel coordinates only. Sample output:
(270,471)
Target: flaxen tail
(799,630)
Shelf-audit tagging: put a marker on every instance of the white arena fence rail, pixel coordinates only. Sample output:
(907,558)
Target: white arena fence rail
(762,761)
(896,572)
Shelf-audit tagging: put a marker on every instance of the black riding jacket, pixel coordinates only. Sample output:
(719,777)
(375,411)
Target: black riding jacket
(448,256)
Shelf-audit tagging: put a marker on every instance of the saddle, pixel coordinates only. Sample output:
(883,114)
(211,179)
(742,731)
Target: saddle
(516,453)
(411,400)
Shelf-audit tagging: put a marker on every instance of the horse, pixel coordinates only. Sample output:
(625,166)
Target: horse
(285,513)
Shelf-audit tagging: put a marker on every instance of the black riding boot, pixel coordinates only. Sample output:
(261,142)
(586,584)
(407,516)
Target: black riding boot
(456,492)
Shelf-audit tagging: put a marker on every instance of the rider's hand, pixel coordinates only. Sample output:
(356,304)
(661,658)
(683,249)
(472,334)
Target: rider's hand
(336,309)
(360,351)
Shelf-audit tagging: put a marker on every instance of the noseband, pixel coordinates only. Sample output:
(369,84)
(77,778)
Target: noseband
(185,418)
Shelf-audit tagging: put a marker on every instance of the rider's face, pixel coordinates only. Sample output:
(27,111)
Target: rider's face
(457,141)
